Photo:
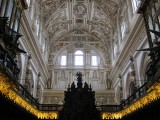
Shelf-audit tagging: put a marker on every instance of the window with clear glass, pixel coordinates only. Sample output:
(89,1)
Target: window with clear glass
(3,5)
(78,58)
(123,28)
(37,27)
(94,61)
(17,20)
(64,60)
(9,9)
(135,4)
(28,2)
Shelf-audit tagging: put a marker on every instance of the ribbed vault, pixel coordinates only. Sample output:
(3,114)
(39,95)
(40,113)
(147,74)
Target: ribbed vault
(91,22)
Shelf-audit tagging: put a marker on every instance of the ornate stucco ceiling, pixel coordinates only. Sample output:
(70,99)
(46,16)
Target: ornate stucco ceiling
(89,21)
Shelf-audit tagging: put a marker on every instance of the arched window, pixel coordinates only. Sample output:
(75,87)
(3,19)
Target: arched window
(43,48)
(37,27)
(78,58)
(123,28)
(135,4)
(28,2)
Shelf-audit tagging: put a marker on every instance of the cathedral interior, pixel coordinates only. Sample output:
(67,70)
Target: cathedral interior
(80,59)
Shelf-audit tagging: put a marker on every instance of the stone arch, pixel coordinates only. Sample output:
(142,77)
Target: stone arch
(72,46)
(144,66)
(130,80)
(132,88)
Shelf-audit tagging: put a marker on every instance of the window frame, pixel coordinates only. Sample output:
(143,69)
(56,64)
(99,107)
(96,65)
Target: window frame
(62,60)
(93,62)
(135,4)
(79,55)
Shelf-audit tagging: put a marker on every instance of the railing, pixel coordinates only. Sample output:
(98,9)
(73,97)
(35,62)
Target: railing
(9,66)
(26,95)
(109,108)
(50,107)
(136,95)
(140,92)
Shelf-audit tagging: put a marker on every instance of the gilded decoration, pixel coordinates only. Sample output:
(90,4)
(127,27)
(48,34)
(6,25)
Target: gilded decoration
(153,95)
(10,92)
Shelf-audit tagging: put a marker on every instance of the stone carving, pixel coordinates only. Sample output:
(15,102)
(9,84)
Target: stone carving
(104,98)
(79,10)
(54,99)
(79,44)
(110,8)
(95,74)
(57,27)
(49,5)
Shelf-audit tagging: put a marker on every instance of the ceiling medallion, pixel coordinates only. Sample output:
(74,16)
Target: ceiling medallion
(79,10)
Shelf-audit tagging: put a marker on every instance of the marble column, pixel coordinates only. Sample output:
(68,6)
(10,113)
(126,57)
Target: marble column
(55,79)
(35,87)
(70,58)
(102,79)
(87,58)
(52,79)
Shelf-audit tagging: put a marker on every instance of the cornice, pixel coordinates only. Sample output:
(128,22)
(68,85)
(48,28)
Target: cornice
(33,46)
(131,44)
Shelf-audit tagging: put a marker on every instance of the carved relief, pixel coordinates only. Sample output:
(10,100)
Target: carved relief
(110,8)
(79,10)
(105,98)
(52,5)
(57,27)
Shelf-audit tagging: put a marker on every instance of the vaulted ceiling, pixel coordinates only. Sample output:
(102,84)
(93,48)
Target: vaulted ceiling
(91,22)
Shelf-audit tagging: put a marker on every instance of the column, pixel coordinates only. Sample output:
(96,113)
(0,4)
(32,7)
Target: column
(55,78)
(70,58)
(35,87)
(70,77)
(52,79)
(102,79)
(87,58)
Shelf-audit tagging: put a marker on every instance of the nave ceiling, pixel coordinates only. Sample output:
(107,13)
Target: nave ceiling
(70,22)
